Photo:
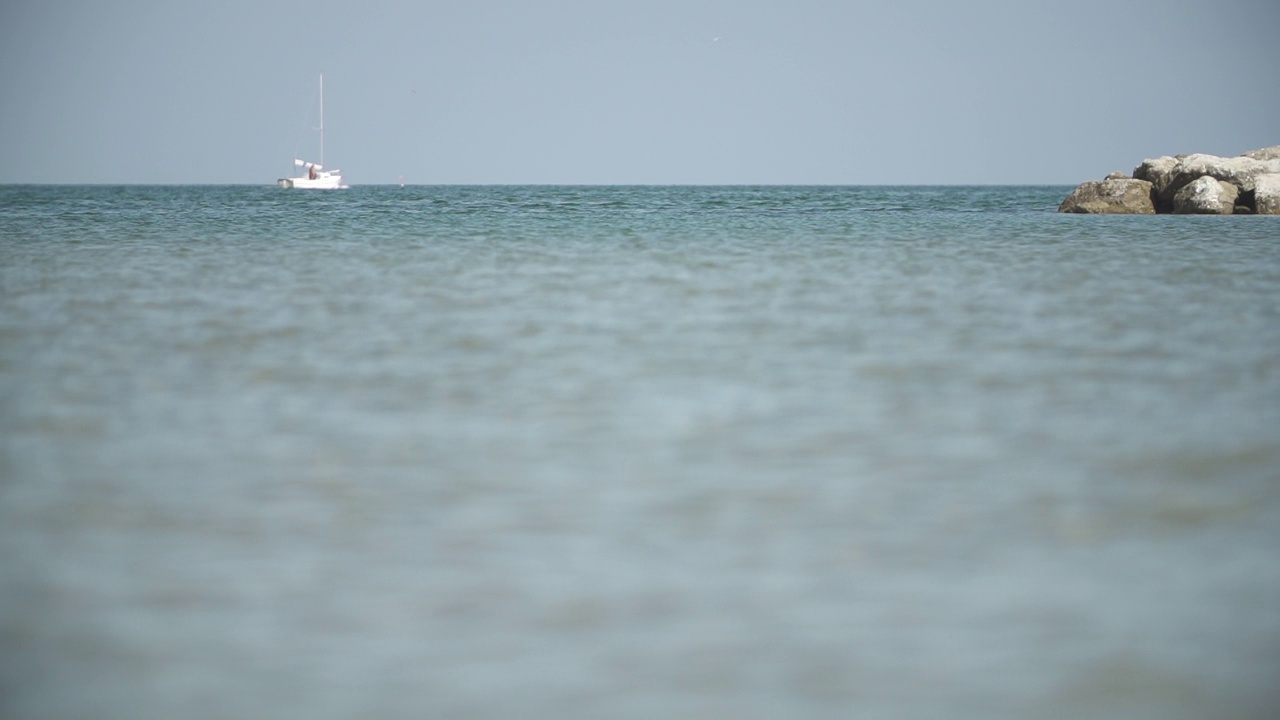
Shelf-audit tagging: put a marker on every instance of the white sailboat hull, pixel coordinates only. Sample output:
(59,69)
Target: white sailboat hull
(323,181)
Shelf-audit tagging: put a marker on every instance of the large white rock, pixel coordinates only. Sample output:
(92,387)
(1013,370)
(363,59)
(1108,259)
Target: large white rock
(1266,194)
(1206,196)
(1239,171)
(1159,172)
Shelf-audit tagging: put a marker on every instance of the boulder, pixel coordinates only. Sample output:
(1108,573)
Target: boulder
(1159,172)
(1267,153)
(1206,196)
(1114,196)
(1169,175)
(1239,171)
(1266,194)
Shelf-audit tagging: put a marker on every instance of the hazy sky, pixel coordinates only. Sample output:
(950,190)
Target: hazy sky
(631,91)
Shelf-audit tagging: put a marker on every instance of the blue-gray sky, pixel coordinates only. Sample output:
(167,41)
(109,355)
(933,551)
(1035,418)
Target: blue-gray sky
(630,91)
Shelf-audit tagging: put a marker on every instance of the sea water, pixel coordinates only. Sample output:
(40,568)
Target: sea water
(635,452)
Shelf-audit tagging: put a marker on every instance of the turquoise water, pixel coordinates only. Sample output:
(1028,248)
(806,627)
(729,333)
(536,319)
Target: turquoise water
(634,452)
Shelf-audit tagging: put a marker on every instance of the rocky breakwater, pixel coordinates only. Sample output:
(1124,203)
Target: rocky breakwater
(1196,184)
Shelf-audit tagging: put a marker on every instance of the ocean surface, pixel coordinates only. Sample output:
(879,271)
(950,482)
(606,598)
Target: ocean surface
(635,453)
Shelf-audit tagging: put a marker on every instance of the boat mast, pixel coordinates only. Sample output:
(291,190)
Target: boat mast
(321,119)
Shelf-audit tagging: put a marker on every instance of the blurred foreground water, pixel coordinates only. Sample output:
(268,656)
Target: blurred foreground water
(606,452)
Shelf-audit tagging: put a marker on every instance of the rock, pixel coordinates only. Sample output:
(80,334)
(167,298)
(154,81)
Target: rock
(1267,153)
(1266,194)
(1239,171)
(1111,197)
(1169,175)
(1206,196)
(1158,172)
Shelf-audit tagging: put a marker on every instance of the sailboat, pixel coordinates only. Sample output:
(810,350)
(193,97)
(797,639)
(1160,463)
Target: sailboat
(315,177)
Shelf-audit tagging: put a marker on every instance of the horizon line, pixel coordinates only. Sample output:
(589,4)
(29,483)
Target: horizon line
(541,184)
